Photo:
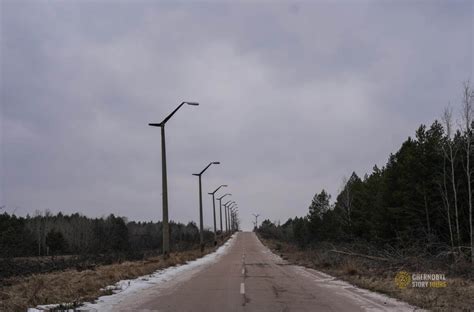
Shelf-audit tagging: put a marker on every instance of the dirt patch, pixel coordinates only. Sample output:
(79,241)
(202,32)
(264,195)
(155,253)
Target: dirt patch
(380,277)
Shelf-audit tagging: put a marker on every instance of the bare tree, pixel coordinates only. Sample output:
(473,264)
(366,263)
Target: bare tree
(450,154)
(39,230)
(444,194)
(467,119)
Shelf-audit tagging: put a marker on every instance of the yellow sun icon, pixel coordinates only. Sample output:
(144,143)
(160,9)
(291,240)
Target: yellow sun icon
(402,279)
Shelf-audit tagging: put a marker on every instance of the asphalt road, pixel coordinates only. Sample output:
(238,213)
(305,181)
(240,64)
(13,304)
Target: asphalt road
(249,277)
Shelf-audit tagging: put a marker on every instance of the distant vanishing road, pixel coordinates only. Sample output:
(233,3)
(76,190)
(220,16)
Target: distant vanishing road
(248,277)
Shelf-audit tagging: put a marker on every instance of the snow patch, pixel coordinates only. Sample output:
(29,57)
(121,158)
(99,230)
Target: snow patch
(127,289)
(368,300)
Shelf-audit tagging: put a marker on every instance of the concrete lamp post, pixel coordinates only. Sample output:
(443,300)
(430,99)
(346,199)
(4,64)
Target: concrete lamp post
(220,209)
(214,212)
(166,232)
(201,230)
(225,214)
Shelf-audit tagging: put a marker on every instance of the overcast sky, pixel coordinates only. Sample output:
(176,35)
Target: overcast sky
(294,96)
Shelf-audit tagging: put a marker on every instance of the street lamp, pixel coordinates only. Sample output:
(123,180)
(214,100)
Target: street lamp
(256,220)
(225,212)
(233,217)
(220,208)
(166,237)
(230,208)
(228,204)
(228,214)
(214,212)
(201,236)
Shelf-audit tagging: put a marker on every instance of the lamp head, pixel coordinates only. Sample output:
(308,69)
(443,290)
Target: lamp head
(155,124)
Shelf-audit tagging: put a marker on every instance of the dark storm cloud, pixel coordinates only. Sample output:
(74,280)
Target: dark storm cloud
(294,96)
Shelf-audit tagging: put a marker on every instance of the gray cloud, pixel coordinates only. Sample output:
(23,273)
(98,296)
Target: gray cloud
(294,97)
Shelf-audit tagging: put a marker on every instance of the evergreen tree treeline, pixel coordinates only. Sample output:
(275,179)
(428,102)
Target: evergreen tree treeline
(421,196)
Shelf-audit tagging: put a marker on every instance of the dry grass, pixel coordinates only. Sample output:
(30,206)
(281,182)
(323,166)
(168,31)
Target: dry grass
(379,277)
(73,287)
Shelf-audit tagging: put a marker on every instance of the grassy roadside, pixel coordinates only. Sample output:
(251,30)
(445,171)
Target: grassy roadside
(380,277)
(73,287)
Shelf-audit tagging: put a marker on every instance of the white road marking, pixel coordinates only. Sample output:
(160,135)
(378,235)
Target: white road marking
(243,271)
(242,288)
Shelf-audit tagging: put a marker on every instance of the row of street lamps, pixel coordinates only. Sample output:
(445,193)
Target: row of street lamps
(230,208)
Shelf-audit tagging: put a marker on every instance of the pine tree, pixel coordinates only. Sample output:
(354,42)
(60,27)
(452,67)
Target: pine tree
(319,206)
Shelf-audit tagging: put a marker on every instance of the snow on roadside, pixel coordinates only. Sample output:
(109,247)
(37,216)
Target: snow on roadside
(128,288)
(368,300)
